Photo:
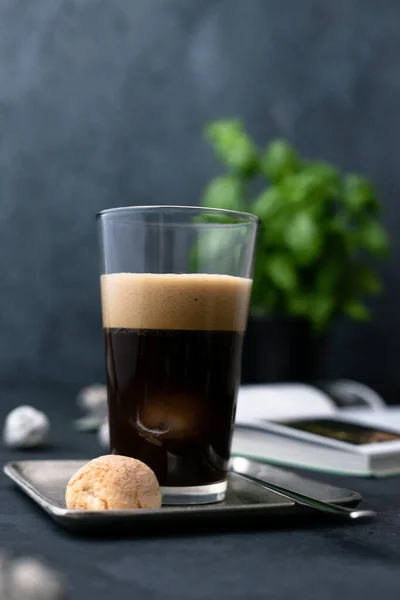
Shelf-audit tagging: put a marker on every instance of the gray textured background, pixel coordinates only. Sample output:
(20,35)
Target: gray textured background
(102,103)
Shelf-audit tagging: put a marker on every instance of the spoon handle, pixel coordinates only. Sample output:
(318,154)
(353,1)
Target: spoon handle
(326,507)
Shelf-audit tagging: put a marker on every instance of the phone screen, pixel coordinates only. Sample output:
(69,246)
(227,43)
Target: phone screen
(351,433)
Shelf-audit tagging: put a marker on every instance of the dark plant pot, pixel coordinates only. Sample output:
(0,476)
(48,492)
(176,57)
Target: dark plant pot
(281,350)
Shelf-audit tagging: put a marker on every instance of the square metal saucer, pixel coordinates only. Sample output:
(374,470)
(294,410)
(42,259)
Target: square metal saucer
(45,482)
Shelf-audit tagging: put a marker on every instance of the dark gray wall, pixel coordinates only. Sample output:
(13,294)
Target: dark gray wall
(102,103)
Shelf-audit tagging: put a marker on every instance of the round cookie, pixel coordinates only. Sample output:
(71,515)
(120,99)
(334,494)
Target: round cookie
(113,482)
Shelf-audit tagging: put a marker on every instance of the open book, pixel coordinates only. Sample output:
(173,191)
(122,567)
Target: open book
(344,427)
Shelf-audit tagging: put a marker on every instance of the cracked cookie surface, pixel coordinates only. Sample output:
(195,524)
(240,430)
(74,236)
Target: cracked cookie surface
(113,482)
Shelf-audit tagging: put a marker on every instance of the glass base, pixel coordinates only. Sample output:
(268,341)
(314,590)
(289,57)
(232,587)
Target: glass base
(195,494)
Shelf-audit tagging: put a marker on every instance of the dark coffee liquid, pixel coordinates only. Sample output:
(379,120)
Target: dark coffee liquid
(172,400)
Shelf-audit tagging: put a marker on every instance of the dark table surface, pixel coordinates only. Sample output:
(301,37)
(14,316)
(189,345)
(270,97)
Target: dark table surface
(306,559)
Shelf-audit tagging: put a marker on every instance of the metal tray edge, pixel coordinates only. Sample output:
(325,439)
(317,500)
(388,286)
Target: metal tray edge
(66,516)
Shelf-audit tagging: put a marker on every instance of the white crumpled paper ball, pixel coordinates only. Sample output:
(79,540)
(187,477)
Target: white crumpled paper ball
(93,399)
(30,579)
(25,427)
(104,435)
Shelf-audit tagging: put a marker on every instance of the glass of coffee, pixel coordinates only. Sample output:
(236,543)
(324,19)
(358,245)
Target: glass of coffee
(175,289)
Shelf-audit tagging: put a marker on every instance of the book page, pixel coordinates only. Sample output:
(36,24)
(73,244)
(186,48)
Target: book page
(281,401)
(389,417)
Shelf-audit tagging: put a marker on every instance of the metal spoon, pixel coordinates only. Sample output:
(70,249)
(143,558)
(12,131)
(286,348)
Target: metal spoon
(238,466)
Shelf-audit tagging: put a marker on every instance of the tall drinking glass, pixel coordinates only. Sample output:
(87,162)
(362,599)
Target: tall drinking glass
(175,289)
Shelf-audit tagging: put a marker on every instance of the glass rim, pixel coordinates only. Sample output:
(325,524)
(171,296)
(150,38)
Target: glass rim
(236,214)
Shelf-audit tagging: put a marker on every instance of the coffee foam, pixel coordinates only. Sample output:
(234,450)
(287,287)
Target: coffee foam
(199,302)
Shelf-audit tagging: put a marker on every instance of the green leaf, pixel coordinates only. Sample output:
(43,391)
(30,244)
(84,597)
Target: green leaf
(303,236)
(299,188)
(271,233)
(279,160)
(274,231)
(328,275)
(326,180)
(358,193)
(317,308)
(216,218)
(326,173)
(264,293)
(233,145)
(267,204)
(218,250)
(307,189)
(224,192)
(357,310)
(298,304)
(281,271)
(321,310)
(342,235)
(312,187)
(373,238)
